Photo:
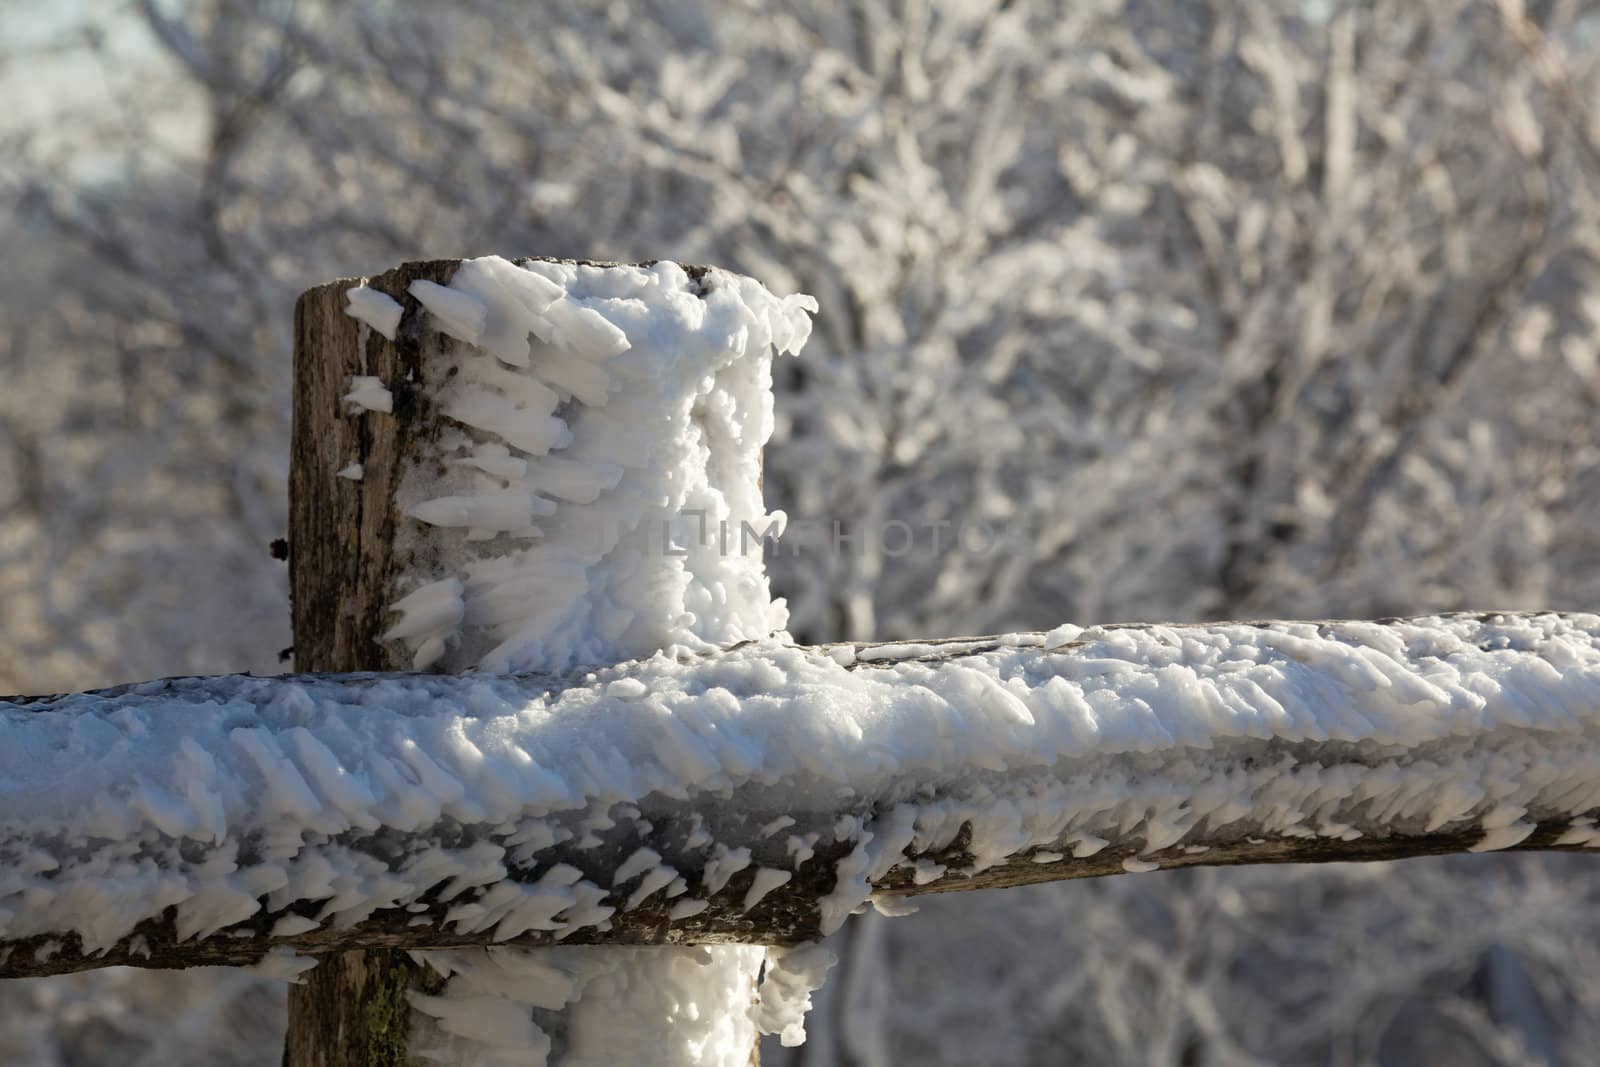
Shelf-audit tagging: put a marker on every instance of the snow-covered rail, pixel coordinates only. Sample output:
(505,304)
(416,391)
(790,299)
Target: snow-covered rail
(761,793)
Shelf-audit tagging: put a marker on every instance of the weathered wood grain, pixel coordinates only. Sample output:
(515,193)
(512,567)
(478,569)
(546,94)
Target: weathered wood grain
(350,1009)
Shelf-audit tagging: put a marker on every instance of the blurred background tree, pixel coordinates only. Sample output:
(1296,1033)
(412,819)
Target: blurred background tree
(1213,309)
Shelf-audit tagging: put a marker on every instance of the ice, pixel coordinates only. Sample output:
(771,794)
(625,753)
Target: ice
(791,976)
(368,393)
(627,485)
(454,311)
(378,310)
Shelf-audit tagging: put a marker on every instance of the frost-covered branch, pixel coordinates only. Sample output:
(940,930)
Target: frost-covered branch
(761,793)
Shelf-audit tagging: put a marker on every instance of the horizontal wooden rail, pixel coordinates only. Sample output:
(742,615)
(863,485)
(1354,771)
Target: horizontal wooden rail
(758,794)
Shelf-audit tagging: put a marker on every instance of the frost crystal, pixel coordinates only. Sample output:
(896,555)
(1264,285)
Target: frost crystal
(603,476)
(378,310)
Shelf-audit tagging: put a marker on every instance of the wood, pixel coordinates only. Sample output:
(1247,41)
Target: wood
(350,1009)
(375,982)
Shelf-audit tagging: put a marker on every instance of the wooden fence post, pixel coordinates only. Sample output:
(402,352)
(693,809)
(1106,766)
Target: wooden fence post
(350,1010)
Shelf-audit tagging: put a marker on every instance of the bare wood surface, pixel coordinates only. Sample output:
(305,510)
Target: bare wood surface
(342,532)
(350,1010)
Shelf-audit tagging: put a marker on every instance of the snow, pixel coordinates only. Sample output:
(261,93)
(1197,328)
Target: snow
(724,864)
(893,905)
(284,964)
(378,310)
(598,1007)
(801,848)
(368,393)
(456,313)
(429,615)
(290,925)
(606,434)
(209,794)
(791,976)
(352,471)
(645,859)
(767,879)
(683,909)
(656,879)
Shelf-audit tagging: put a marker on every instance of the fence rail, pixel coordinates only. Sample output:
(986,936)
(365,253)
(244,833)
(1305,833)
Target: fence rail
(759,794)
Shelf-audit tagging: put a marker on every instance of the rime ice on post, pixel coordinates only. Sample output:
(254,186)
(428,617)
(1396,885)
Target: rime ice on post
(575,480)
(598,458)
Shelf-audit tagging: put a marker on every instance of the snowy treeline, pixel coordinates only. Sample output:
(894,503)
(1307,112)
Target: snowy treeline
(1214,309)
